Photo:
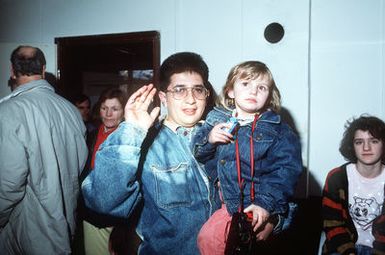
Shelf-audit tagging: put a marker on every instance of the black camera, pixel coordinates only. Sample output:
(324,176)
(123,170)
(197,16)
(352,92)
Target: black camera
(241,238)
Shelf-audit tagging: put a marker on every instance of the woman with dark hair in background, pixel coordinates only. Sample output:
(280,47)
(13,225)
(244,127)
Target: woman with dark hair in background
(97,227)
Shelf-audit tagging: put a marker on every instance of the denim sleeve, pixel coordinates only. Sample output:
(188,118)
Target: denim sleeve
(112,186)
(285,220)
(202,149)
(285,167)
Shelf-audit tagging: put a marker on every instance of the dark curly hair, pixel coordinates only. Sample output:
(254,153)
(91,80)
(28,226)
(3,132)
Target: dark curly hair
(374,125)
(182,62)
(26,62)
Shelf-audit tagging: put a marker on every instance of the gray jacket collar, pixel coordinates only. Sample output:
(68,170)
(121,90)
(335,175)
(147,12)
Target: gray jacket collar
(27,87)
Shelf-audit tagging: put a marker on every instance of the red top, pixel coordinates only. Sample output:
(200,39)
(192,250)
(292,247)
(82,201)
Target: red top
(100,138)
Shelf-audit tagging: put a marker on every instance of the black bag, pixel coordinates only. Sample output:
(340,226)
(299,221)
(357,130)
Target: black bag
(241,238)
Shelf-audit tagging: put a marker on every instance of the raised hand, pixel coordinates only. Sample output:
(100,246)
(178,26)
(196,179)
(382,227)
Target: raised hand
(136,109)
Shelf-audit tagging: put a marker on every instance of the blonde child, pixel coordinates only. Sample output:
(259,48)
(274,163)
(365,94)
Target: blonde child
(259,161)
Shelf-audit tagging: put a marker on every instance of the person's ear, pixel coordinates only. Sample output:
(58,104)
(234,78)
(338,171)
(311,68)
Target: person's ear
(43,72)
(230,93)
(13,75)
(163,98)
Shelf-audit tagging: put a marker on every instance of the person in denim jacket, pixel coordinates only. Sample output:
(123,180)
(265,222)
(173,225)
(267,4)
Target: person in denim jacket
(255,103)
(150,166)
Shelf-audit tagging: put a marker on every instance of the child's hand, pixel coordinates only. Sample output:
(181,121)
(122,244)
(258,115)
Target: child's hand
(265,231)
(218,135)
(260,216)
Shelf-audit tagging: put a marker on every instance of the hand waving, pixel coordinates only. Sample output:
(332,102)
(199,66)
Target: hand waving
(136,109)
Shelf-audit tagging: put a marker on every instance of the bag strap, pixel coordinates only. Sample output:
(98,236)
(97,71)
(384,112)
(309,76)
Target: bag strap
(238,164)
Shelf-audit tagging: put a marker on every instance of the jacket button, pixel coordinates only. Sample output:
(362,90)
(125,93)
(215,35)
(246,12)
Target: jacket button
(222,162)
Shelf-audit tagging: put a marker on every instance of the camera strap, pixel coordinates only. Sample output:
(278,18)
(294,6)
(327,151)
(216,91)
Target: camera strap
(238,164)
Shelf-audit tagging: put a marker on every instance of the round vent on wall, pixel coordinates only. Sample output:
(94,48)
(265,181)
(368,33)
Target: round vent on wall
(274,32)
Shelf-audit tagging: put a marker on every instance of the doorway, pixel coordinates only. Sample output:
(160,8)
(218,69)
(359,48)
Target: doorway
(90,64)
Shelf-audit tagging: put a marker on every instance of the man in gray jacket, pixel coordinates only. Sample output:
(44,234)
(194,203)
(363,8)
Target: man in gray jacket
(42,152)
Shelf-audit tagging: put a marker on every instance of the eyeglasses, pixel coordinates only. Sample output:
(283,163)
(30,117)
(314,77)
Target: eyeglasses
(180,92)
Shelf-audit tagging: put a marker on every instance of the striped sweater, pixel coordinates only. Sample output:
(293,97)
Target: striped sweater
(341,234)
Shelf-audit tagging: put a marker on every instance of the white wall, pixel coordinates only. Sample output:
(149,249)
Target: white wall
(347,73)
(329,66)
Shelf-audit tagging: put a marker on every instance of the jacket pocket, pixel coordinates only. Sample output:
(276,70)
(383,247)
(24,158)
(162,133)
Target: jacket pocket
(172,186)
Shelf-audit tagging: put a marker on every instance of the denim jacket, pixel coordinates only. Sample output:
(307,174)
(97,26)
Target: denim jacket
(158,169)
(277,159)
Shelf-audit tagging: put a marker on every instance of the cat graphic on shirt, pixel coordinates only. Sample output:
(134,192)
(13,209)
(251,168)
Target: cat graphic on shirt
(364,211)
